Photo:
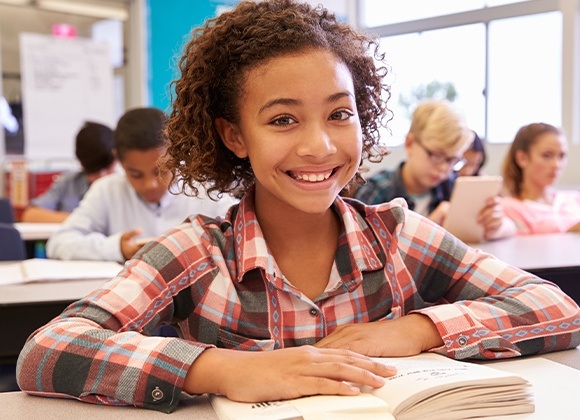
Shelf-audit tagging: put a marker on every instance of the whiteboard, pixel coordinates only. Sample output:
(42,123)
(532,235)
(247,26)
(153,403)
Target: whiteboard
(65,82)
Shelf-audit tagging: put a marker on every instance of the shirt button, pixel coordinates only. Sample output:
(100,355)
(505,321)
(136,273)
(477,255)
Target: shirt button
(157,394)
(314,312)
(462,340)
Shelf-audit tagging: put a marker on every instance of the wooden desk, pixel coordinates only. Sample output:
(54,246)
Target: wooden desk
(36,231)
(555,257)
(25,307)
(18,405)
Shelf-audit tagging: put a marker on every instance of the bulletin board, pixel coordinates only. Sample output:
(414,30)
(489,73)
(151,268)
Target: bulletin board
(65,82)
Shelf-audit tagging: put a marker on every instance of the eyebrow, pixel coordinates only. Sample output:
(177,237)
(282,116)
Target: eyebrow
(293,102)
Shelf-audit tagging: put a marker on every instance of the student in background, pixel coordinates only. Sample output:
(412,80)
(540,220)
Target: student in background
(291,292)
(475,158)
(94,150)
(536,159)
(437,139)
(139,203)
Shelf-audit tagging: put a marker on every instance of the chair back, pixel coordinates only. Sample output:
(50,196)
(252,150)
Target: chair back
(6,211)
(12,246)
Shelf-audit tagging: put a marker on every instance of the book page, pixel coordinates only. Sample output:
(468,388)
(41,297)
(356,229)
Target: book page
(274,410)
(327,407)
(428,374)
(39,269)
(11,273)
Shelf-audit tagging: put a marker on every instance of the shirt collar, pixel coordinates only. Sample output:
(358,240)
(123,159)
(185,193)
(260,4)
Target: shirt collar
(358,243)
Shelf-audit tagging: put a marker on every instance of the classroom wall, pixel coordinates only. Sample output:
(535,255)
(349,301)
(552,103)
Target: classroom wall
(170,23)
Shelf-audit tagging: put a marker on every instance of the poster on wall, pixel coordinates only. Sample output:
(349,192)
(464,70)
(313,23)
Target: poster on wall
(65,82)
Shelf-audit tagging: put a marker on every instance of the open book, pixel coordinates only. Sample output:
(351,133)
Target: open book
(426,386)
(39,269)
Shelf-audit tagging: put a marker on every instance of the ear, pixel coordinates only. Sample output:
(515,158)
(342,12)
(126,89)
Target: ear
(409,140)
(521,158)
(231,136)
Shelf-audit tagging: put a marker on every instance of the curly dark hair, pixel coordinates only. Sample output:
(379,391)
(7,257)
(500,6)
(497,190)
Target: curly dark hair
(213,69)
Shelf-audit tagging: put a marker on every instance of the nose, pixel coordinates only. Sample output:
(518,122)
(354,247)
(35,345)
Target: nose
(152,183)
(316,141)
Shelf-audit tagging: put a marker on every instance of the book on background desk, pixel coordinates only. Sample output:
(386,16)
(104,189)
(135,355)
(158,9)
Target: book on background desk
(41,270)
(426,386)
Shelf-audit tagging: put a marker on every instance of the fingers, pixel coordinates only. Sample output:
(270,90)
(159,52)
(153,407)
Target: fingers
(341,368)
(130,234)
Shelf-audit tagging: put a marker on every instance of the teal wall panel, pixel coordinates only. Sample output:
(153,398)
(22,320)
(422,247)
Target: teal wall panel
(169,24)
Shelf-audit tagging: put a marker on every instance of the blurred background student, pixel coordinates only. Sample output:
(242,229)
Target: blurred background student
(475,158)
(94,150)
(121,207)
(536,159)
(435,145)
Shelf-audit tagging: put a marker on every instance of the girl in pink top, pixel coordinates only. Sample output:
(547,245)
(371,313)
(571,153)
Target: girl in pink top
(532,166)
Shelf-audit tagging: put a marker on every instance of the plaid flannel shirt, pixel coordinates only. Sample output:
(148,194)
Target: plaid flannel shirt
(215,280)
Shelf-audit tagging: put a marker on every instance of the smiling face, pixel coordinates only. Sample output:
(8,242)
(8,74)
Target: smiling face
(543,164)
(300,129)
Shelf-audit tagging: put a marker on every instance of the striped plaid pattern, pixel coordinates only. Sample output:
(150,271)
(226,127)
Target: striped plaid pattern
(216,282)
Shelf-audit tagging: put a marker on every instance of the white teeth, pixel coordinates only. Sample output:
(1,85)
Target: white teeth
(312,177)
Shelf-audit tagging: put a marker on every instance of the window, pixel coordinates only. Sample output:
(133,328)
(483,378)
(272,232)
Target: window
(525,73)
(510,62)
(446,63)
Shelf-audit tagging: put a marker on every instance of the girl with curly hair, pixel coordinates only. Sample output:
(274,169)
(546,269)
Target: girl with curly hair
(293,291)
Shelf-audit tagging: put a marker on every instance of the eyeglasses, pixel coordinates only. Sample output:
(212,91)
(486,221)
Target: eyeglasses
(456,163)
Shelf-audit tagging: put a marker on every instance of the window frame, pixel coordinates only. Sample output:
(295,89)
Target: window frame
(570,10)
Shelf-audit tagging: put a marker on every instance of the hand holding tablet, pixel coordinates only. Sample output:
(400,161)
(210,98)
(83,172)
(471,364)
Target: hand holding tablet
(468,198)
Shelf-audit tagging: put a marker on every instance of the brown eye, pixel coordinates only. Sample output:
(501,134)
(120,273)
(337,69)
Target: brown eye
(341,115)
(283,121)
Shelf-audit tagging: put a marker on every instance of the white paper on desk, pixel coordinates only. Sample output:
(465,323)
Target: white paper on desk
(39,269)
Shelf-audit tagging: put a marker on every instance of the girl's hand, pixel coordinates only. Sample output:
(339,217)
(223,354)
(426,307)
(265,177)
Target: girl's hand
(249,376)
(495,224)
(405,336)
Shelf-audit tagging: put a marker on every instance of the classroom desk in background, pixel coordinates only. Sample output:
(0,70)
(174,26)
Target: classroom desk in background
(35,236)
(554,257)
(25,307)
(36,231)
(18,405)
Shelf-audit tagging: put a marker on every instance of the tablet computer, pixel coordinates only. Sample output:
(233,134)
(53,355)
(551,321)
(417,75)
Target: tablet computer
(467,199)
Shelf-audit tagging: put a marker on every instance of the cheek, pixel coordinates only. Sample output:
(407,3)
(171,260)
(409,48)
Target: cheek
(135,183)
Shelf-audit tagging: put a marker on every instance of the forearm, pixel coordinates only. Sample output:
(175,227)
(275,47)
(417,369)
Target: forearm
(531,318)
(133,369)
(34,214)
(505,230)
(72,244)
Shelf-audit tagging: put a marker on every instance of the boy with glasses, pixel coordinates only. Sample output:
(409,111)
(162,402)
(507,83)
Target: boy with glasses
(435,144)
